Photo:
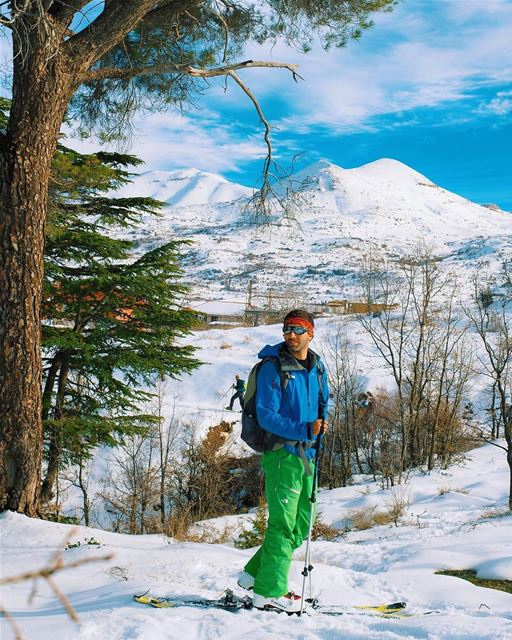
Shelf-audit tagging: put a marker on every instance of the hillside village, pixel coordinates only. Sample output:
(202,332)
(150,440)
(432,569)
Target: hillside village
(232,313)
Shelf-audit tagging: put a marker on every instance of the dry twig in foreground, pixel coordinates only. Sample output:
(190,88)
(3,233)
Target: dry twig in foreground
(55,565)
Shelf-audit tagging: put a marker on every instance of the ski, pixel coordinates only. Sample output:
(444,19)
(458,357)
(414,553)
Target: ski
(229,601)
(388,610)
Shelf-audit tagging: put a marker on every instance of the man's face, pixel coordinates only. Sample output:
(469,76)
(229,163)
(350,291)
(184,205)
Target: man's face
(296,343)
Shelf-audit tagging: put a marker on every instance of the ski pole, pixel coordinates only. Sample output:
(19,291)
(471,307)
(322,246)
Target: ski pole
(307,564)
(226,392)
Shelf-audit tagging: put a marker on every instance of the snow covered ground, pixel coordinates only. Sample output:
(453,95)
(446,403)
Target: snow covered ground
(446,525)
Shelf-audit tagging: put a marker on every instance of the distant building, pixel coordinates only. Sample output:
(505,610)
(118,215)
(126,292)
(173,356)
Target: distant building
(335,307)
(220,312)
(257,315)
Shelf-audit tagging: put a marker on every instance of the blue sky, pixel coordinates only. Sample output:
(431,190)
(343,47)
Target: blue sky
(429,85)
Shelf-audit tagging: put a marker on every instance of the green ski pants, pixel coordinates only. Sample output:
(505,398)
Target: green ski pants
(288,492)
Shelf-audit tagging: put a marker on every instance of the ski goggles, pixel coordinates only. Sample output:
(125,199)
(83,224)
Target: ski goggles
(299,326)
(298,331)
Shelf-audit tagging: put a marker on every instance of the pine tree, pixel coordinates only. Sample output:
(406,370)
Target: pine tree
(110,321)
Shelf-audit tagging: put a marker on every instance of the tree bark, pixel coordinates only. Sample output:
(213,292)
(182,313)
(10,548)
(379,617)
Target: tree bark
(41,92)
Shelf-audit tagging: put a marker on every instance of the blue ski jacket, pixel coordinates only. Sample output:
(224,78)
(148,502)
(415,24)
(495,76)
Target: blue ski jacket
(289,413)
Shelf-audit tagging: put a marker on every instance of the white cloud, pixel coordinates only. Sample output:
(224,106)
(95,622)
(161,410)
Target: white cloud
(498,106)
(414,57)
(424,54)
(461,11)
(171,140)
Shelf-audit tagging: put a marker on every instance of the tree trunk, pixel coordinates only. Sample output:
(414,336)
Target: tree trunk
(509,460)
(85,494)
(55,446)
(41,92)
(51,377)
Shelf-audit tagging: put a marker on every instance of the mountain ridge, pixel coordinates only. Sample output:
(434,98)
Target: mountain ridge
(340,215)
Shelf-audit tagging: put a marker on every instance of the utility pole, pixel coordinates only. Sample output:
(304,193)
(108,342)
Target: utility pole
(249,295)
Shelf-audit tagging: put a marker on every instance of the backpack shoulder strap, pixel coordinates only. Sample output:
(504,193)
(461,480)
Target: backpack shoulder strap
(284,376)
(320,370)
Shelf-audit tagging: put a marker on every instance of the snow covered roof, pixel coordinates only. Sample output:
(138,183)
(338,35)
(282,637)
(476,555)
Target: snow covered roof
(219,307)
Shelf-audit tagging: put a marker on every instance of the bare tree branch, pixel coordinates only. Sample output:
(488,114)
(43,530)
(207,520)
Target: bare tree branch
(171,67)
(264,121)
(164,8)
(219,16)
(17,10)
(55,565)
(66,10)
(481,436)
(117,19)
(14,626)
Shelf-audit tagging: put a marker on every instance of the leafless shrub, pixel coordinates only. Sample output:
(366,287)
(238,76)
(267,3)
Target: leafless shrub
(418,336)
(371,516)
(442,491)
(323,531)
(490,514)
(341,446)
(210,534)
(362,519)
(491,318)
(118,573)
(397,504)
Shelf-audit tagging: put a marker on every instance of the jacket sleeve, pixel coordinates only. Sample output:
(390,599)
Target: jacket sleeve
(268,402)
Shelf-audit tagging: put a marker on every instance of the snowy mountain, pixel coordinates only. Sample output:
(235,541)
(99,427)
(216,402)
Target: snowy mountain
(341,214)
(188,188)
(454,519)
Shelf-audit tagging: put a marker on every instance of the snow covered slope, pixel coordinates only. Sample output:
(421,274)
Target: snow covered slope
(343,213)
(447,524)
(187,187)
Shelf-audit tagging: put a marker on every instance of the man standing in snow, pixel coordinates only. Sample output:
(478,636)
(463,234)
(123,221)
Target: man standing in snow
(297,413)
(239,388)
